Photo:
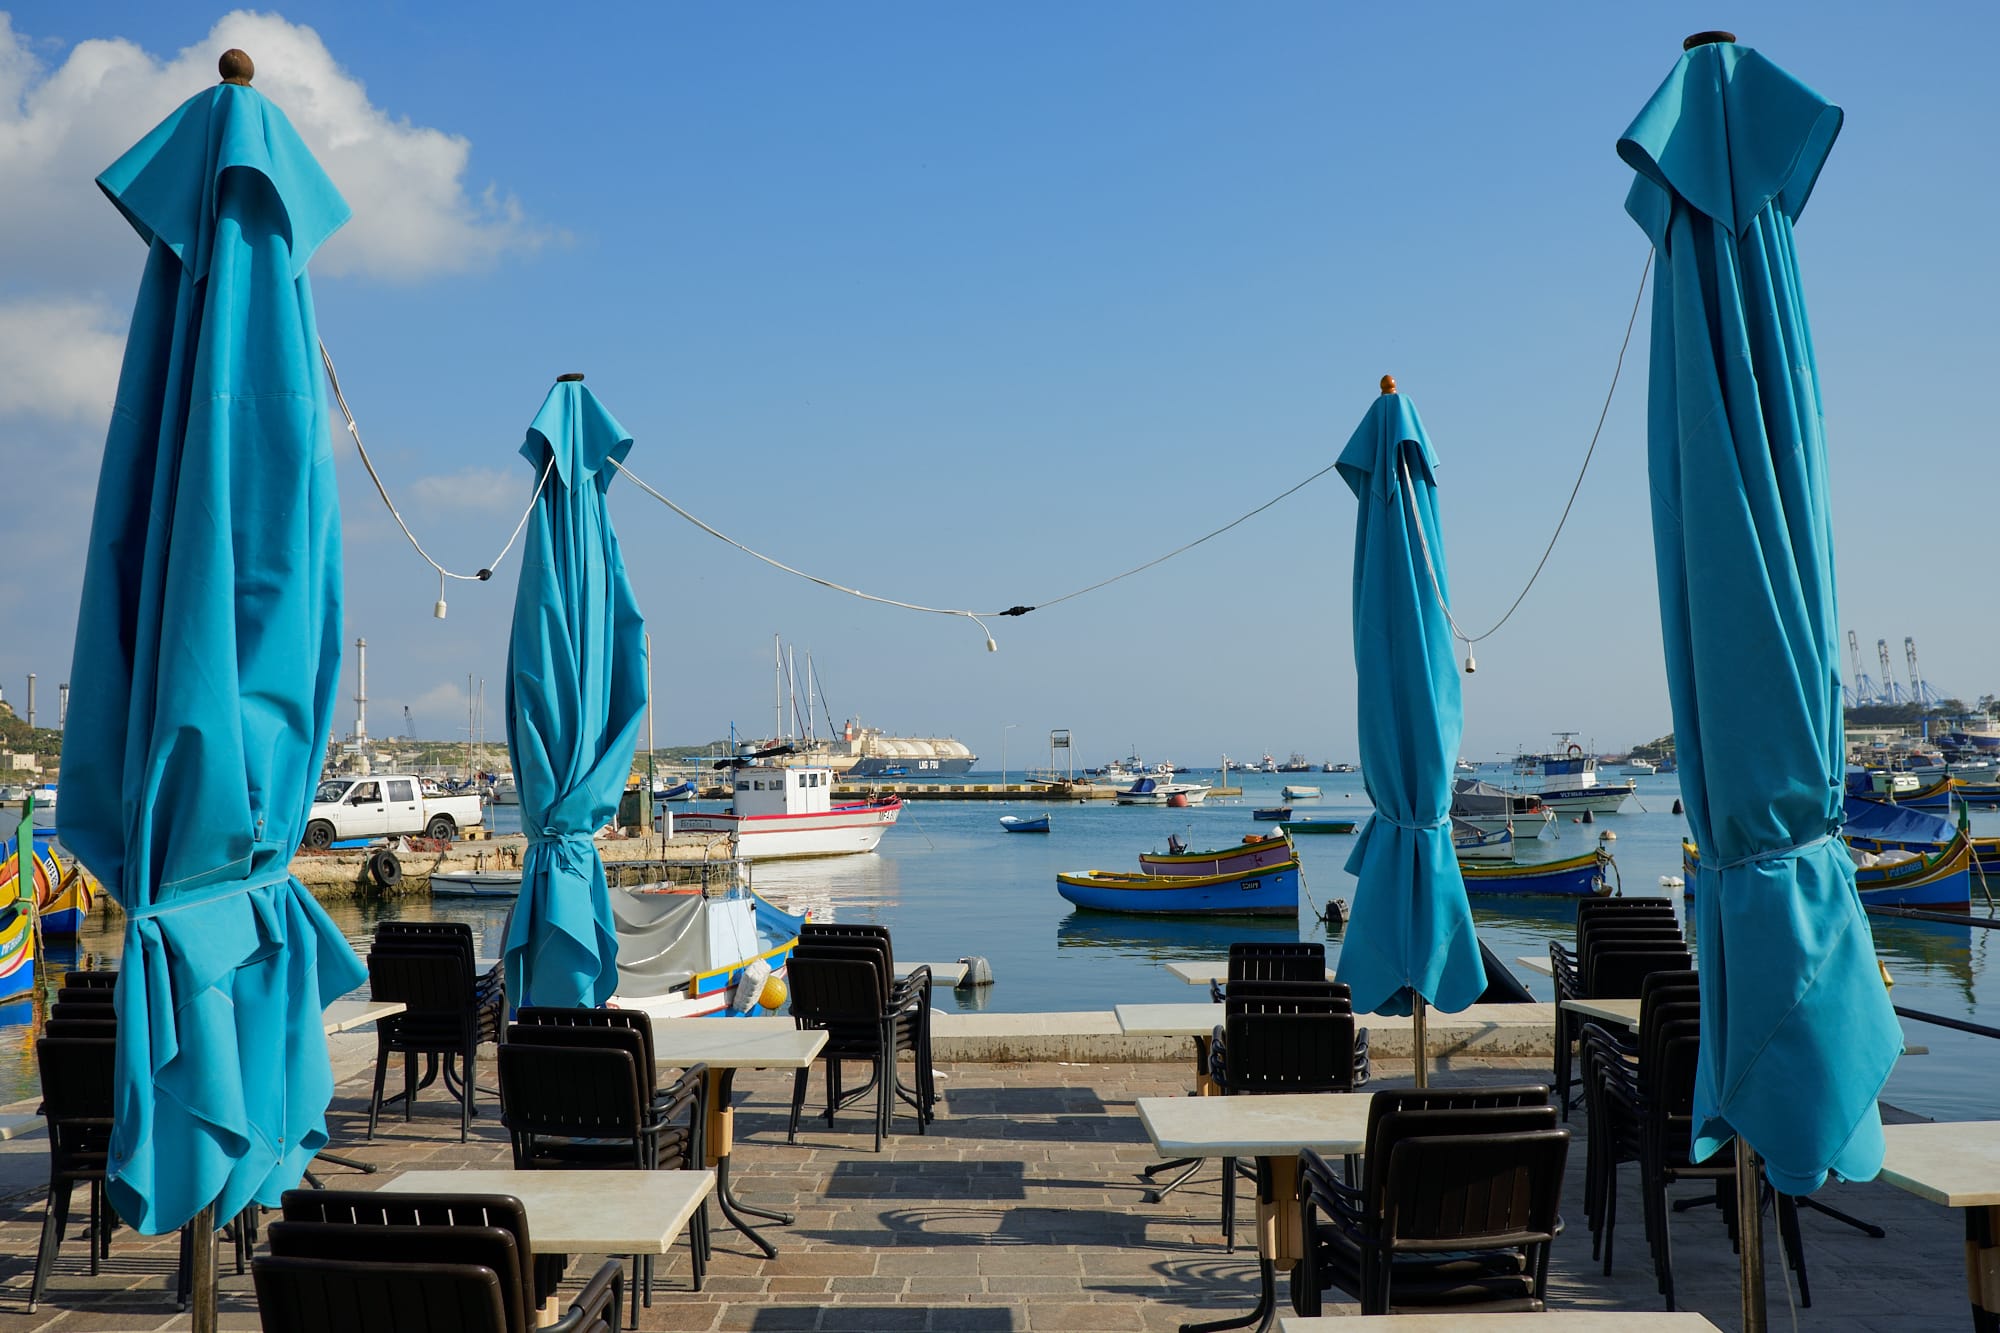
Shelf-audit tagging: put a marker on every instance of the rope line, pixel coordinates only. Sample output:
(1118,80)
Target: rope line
(333,378)
(1423,539)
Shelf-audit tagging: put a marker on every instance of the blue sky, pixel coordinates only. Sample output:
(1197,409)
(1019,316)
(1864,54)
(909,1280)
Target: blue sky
(973,306)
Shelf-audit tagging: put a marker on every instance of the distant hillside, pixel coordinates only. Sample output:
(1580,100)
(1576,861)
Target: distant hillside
(20,738)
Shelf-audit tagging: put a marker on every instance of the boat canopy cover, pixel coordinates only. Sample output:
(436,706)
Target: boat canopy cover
(1143,786)
(662,940)
(1896,823)
(1470,796)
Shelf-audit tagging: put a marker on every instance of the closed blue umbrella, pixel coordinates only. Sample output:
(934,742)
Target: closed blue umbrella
(1410,936)
(576,691)
(1797,1032)
(207,656)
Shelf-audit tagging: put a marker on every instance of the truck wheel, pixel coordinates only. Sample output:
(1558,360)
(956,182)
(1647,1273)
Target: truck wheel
(385,869)
(442,828)
(319,835)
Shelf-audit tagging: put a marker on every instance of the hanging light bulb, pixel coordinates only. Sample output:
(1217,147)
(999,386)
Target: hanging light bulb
(438,610)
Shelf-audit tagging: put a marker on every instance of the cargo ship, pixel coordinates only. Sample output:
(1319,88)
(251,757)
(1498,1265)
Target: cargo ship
(869,752)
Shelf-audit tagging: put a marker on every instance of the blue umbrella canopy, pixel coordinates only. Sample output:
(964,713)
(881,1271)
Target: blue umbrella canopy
(1797,1032)
(576,691)
(207,656)
(1410,932)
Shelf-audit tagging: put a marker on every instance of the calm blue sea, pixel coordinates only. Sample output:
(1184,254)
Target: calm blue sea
(950,882)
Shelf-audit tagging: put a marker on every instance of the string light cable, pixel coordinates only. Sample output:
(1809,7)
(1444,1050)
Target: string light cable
(1423,538)
(486,572)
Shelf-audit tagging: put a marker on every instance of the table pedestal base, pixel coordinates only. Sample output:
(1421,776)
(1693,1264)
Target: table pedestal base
(1280,1240)
(1982,1267)
(721,1136)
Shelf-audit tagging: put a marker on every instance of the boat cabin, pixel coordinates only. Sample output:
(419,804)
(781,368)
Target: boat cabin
(762,790)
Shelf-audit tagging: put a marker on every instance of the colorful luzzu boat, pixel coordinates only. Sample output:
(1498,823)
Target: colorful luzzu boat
(1941,879)
(1263,891)
(1576,877)
(684,954)
(17,950)
(1253,853)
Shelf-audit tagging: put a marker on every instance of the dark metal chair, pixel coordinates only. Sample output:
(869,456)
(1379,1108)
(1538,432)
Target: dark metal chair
(446,1014)
(848,991)
(380,1228)
(575,1097)
(77,1100)
(910,996)
(1456,1209)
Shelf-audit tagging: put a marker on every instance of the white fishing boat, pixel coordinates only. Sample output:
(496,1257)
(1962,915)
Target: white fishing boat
(1641,767)
(1568,783)
(1301,793)
(1469,842)
(476,884)
(782,812)
(1492,809)
(503,791)
(1151,791)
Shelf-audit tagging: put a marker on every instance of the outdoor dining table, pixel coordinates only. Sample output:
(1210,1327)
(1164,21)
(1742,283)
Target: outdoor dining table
(1622,1013)
(582,1212)
(1957,1164)
(1538,963)
(726,1045)
(1548,1321)
(1272,1129)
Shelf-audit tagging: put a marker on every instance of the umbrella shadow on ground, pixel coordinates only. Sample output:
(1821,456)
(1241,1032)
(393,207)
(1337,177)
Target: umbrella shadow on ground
(947,1226)
(997,1181)
(1047,1099)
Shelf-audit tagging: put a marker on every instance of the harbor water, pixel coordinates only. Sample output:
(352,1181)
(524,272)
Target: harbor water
(950,882)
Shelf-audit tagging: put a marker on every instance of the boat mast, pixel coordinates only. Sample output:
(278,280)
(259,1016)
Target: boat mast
(811,734)
(791,695)
(777,689)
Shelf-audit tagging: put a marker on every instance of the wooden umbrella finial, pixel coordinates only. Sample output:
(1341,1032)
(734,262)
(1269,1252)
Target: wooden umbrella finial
(236,67)
(574,376)
(1707,39)
(1388,384)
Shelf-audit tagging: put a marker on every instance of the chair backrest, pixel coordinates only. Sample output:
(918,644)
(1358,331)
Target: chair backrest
(1483,1189)
(341,1296)
(77,1078)
(1592,910)
(620,1029)
(835,930)
(1396,1126)
(1258,960)
(458,931)
(432,984)
(835,986)
(1280,997)
(81,1027)
(1605,933)
(874,949)
(84,1012)
(574,1092)
(94,980)
(1388,1101)
(489,1248)
(1288,1052)
(397,1212)
(1619,973)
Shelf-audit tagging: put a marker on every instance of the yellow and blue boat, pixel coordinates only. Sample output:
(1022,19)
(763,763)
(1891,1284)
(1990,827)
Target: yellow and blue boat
(1575,877)
(1271,890)
(1939,879)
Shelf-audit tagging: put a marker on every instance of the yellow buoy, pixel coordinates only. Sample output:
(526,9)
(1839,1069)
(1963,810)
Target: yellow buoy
(1887,980)
(775,993)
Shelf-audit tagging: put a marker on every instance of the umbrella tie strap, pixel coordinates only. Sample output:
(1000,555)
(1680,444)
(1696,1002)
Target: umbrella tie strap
(1797,849)
(1445,822)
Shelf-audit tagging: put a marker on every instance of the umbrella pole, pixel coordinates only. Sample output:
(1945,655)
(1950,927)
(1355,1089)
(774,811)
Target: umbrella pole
(201,1269)
(1750,1235)
(1417,1039)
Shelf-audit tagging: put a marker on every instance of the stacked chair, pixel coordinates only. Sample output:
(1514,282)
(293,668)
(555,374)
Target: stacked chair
(579,1090)
(344,1261)
(1639,1095)
(1456,1208)
(1618,942)
(449,1010)
(843,982)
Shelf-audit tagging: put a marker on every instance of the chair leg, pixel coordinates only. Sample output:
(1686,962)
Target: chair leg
(55,1216)
(465,1097)
(799,1080)
(882,1104)
(1610,1213)
(409,1084)
(96,1224)
(375,1101)
(1229,1205)
(1190,1165)
(1795,1245)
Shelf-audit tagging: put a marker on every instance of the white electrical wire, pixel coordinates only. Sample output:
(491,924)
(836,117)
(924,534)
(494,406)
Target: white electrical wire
(1423,538)
(333,378)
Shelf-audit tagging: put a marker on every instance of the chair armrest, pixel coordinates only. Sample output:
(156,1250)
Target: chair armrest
(916,986)
(599,1302)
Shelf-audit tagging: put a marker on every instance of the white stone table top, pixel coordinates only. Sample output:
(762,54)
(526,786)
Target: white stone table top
(18,1126)
(947,975)
(583,1212)
(1622,1012)
(1536,962)
(733,1043)
(1952,1162)
(1553,1321)
(1201,971)
(1273,1126)
(346,1015)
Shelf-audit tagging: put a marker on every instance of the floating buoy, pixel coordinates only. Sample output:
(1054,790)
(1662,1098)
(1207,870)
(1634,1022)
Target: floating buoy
(1671,881)
(1178,800)
(1336,911)
(1589,818)
(1607,836)
(774,994)
(1677,806)
(1576,819)
(978,972)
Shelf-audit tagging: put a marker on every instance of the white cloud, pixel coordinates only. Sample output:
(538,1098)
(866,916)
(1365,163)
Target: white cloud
(477,488)
(61,358)
(414,213)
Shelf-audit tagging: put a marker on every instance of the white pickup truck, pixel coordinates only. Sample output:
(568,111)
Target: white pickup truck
(385,805)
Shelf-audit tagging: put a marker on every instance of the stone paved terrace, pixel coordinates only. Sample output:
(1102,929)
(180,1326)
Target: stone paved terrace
(1020,1210)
